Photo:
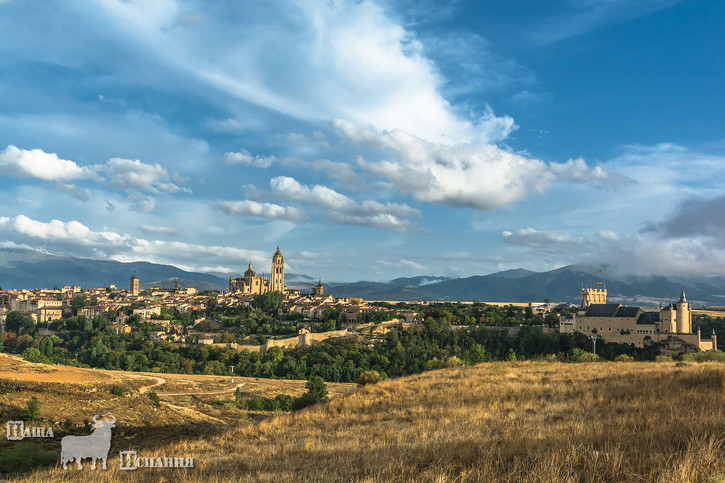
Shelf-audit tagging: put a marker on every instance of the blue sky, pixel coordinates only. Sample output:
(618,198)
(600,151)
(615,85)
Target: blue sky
(370,140)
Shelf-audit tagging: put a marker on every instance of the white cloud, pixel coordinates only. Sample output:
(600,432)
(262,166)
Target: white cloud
(351,59)
(608,235)
(481,176)
(531,237)
(73,232)
(344,210)
(159,230)
(36,163)
(577,170)
(243,157)
(128,174)
(76,239)
(260,210)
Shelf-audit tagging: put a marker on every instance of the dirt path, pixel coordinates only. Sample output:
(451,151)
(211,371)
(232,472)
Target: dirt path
(144,389)
(211,393)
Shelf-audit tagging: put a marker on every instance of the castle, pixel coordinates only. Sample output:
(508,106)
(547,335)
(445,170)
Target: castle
(251,284)
(671,326)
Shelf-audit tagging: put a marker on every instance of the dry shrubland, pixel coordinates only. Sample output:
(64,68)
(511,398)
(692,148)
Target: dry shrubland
(526,421)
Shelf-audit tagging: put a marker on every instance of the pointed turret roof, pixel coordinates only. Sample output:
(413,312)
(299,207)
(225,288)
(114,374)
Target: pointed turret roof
(682,296)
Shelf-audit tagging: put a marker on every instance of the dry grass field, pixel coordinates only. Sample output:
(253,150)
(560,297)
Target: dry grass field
(526,421)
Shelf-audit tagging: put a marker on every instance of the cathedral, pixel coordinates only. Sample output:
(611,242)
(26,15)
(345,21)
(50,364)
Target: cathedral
(251,284)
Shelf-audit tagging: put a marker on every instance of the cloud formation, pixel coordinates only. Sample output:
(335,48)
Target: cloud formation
(260,210)
(245,158)
(76,239)
(344,210)
(129,174)
(480,176)
(531,237)
(36,163)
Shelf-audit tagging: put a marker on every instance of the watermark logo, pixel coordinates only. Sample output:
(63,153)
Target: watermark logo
(130,460)
(17,430)
(94,446)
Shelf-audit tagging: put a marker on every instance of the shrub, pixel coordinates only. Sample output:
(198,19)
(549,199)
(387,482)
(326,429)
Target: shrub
(716,355)
(155,398)
(271,405)
(579,355)
(663,359)
(117,390)
(32,409)
(623,358)
(284,402)
(32,354)
(303,401)
(368,377)
(454,361)
(25,456)
(255,404)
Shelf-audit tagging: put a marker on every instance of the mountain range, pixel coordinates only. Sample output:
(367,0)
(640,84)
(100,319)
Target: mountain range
(32,269)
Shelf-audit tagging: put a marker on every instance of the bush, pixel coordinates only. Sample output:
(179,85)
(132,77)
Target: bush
(271,405)
(25,456)
(454,361)
(255,404)
(284,402)
(368,377)
(117,390)
(623,358)
(303,401)
(32,409)
(717,356)
(663,359)
(579,355)
(155,398)
(32,354)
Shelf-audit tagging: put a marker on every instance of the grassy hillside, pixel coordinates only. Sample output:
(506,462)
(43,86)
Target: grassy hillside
(522,421)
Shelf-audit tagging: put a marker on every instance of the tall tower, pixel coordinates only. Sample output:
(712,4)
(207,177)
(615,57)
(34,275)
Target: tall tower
(319,290)
(134,285)
(684,318)
(277,272)
(593,296)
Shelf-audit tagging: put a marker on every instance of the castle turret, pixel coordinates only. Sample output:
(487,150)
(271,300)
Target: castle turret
(683,315)
(593,296)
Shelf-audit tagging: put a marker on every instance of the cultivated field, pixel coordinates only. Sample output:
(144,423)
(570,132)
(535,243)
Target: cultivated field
(526,421)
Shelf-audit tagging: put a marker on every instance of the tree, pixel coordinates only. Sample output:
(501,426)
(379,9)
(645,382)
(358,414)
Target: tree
(475,354)
(317,388)
(268,302)
(32,409)
(78,303)
(17,322)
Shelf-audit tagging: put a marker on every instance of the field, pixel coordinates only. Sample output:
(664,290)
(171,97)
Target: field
(521,421)
(191,405)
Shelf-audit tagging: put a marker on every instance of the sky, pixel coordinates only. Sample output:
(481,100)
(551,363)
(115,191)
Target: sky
(370,140)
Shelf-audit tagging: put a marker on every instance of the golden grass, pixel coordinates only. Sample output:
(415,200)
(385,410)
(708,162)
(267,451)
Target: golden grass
(528,421)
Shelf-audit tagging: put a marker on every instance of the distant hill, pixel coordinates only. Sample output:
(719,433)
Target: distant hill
(29,269)
(560,285)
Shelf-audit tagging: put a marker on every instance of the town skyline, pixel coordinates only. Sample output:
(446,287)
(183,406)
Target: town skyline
(371,140)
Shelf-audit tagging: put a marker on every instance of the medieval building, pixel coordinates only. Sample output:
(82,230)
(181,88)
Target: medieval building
(670,326)
(251,284)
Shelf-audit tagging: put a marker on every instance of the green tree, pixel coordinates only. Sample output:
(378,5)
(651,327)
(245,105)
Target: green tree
(475,354)
(268,302)
(78,303)
(17,322)
(32,409)
(317,388)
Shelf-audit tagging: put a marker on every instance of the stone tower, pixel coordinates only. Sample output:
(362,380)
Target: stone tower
(593,296)
(134,285)
(683,317)
(319,290)
(277,277)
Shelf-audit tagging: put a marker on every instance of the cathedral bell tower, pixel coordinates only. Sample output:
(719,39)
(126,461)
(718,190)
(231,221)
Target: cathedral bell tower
(277,272)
